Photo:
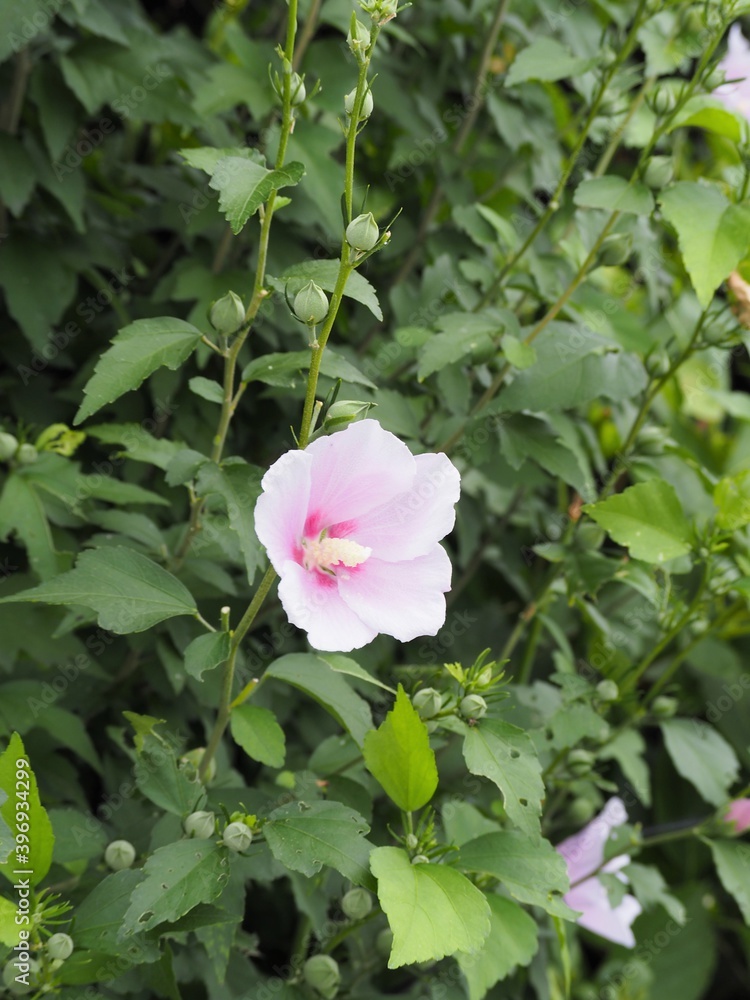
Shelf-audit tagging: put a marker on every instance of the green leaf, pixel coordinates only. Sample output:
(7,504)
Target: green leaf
(732,860)
(285,370)
(614,194)
(647,518)
(432,910)
(256,730)
(100,915)
(512,942)
(650,889)
(732,498)
(206,652)
(628,748)
(128,591)
(702,757)
(136,352)
(505,754)
(346,665)
(207,388)
(22,513)
(78,836)
(9,929)
(18,782)
(36,309)
(532,871)
(244,186)
(399,756)
(714,234)
(239,486)
(325,273)
(545,59)
(462,334)
(305,837)
(17,175)
(711,114)
(517,352)
(178,877)
(161,779)
(311,674)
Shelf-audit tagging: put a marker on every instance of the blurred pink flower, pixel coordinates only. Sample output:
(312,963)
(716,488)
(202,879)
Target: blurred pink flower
(739,814)
(736,66)
(351,525)
(584,853)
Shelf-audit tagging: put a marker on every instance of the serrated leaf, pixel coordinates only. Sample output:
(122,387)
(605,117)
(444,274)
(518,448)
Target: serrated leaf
(432,909)
(647,518)
(399,756)
(505,754)
(136,352)
(41,839)
(306,837)
(178,877)
(546,59)
(160,778)
(206,652)
(99,918)
(512,942)
(22,513)
(713,233)
(128,591)
(702,756)
(239,486)
(614,194)
(325,273)
(244,186)
(732,860)
(286,370)
(256,730)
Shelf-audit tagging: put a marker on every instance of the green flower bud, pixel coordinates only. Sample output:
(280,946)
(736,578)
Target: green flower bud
(427,702)
(119,854)
(367,104)
(651,440)
(191,762)
(659,172)
(607,690)
(227,314)
(286,779)
(580,811)
(420,859)
(11,971)
(343,412)
(356,904)
(60,946)
(664,707)
(322,973)
(200,825)
(384,942)
(362,233)
(714,79)
(663,100)
(237,836)
(358,38)
(485,678)
(657,363)
(580,762)
(411,841)
(473,706)
(297,90)
(615,249)
(8,446)
(27,454)
(311,304)
(380,11)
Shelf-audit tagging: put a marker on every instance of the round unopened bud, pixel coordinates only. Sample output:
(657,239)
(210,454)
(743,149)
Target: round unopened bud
(8,446)
(367,104)
(12,983)
(286,779)
(473,706)
(607,690)
(343,412)
(420,859)
(663,100)
(322,973)
(427,702)
(298,91)
(657,363)
(201,825)
(227,314)
(60,946)
(358,38)
(615,249)
(362,233)
(27,454)
(580,762)
(411,841)
(237,836)
(384,942)
(356,904)
(651,440)
(580,811)
(659,172)
(715,79)
(311,304)
(485,678)
(664,707)
(119,854)
(191,762)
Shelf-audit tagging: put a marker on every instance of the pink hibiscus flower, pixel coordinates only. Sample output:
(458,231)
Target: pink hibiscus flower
(738,813)
(736,66)
(584,854)
(351,525)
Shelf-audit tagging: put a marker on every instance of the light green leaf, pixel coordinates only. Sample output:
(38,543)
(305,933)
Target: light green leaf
(206,652)
(244,186)
(346,665)
(178,877)
(41,839)
(732,498)
(325,273)
(207,158)
(505,754)
(128,591)
(318,679)
(714,234)
(650,889)
(399,756)
(239,486)
(285,370)
(517,352)
(512,941)
(136,352)
(207,388)
(532,871)
(9,929)
(732,860)
(256,730)
(647,518)
(22,513)
(546,59)
(614,194)
(432,909)
(306,837)
(628,749)
(711,114)
(702,757)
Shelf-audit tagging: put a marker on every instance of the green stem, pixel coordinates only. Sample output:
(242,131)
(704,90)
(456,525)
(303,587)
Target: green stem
(527,663)
(354,124)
